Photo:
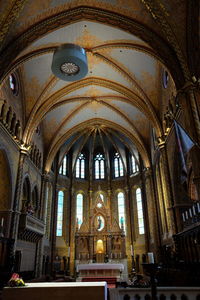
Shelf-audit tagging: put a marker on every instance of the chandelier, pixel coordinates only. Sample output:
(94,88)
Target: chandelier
(69,62)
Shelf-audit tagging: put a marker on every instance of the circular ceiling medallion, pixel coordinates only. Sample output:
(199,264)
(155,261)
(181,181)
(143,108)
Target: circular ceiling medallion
(69,68)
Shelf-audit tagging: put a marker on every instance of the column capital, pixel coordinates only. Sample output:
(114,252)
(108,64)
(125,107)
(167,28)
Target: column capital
(147,172)
(161,142)
(25,149)
(46,176)
(127,189)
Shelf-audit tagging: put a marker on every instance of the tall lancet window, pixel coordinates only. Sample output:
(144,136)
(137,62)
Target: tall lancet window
(99,166)
(80,166)
(118,166)
(60,213)
(121,210)
(134,165)
(79,209)
(140,211)
(63,167)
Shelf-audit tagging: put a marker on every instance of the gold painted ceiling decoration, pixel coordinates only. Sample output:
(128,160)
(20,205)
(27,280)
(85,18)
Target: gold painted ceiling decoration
(122,94)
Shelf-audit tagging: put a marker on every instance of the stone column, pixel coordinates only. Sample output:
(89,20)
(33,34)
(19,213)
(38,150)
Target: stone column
(167,191)
(43,211)
(129,224)
(190,92)
(24,151)
(154,231)
(109,238)
(44,196)
(91,248)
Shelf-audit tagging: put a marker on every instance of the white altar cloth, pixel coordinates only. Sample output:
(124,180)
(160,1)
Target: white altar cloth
(58,291)
(105,266)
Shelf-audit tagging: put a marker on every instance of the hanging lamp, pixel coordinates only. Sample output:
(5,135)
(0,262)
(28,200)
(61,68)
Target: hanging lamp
(69,62)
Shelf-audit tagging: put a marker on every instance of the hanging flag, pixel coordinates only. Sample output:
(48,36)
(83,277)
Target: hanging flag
(185,143)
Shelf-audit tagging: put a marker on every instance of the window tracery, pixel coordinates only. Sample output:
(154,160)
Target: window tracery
(63,167)
(80,166)
(99,166)
(118,166)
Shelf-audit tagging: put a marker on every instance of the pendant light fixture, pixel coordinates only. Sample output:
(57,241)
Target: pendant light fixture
(70,62)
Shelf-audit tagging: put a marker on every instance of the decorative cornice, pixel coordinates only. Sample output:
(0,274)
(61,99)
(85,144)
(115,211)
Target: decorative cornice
(88,13)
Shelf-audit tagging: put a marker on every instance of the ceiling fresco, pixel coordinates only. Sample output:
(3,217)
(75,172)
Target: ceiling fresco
(123,90)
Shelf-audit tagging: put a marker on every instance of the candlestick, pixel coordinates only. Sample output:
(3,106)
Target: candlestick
(150,257)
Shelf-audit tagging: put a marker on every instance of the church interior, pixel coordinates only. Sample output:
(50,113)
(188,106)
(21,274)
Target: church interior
(100,139)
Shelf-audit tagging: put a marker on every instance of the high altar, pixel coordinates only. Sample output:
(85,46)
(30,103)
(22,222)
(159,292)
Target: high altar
(100,243)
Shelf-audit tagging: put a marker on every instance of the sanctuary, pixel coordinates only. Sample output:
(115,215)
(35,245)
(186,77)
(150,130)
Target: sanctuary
(99,141)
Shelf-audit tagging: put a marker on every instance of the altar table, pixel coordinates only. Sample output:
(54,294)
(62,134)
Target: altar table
(100,270)
(58,291)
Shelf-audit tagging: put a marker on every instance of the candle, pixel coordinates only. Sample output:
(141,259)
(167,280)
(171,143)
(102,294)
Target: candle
(190,212)
(194,211)
(186,214)
(198,206)
(150,257)
(2,221)
(111,255)
(131,250)
(183,216)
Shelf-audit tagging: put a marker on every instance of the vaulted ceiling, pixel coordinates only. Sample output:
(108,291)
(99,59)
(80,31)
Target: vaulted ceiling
(129,46)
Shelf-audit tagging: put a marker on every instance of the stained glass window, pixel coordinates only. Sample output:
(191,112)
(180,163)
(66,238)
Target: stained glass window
(60,213)
(13,84)
(99,166)
(140,211)
(134,165)
(79,209)
(63,167)
(121,210)
(80,166)
(118,166)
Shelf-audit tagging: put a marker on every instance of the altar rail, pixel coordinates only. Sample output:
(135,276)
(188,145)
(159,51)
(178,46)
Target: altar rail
(163,293)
